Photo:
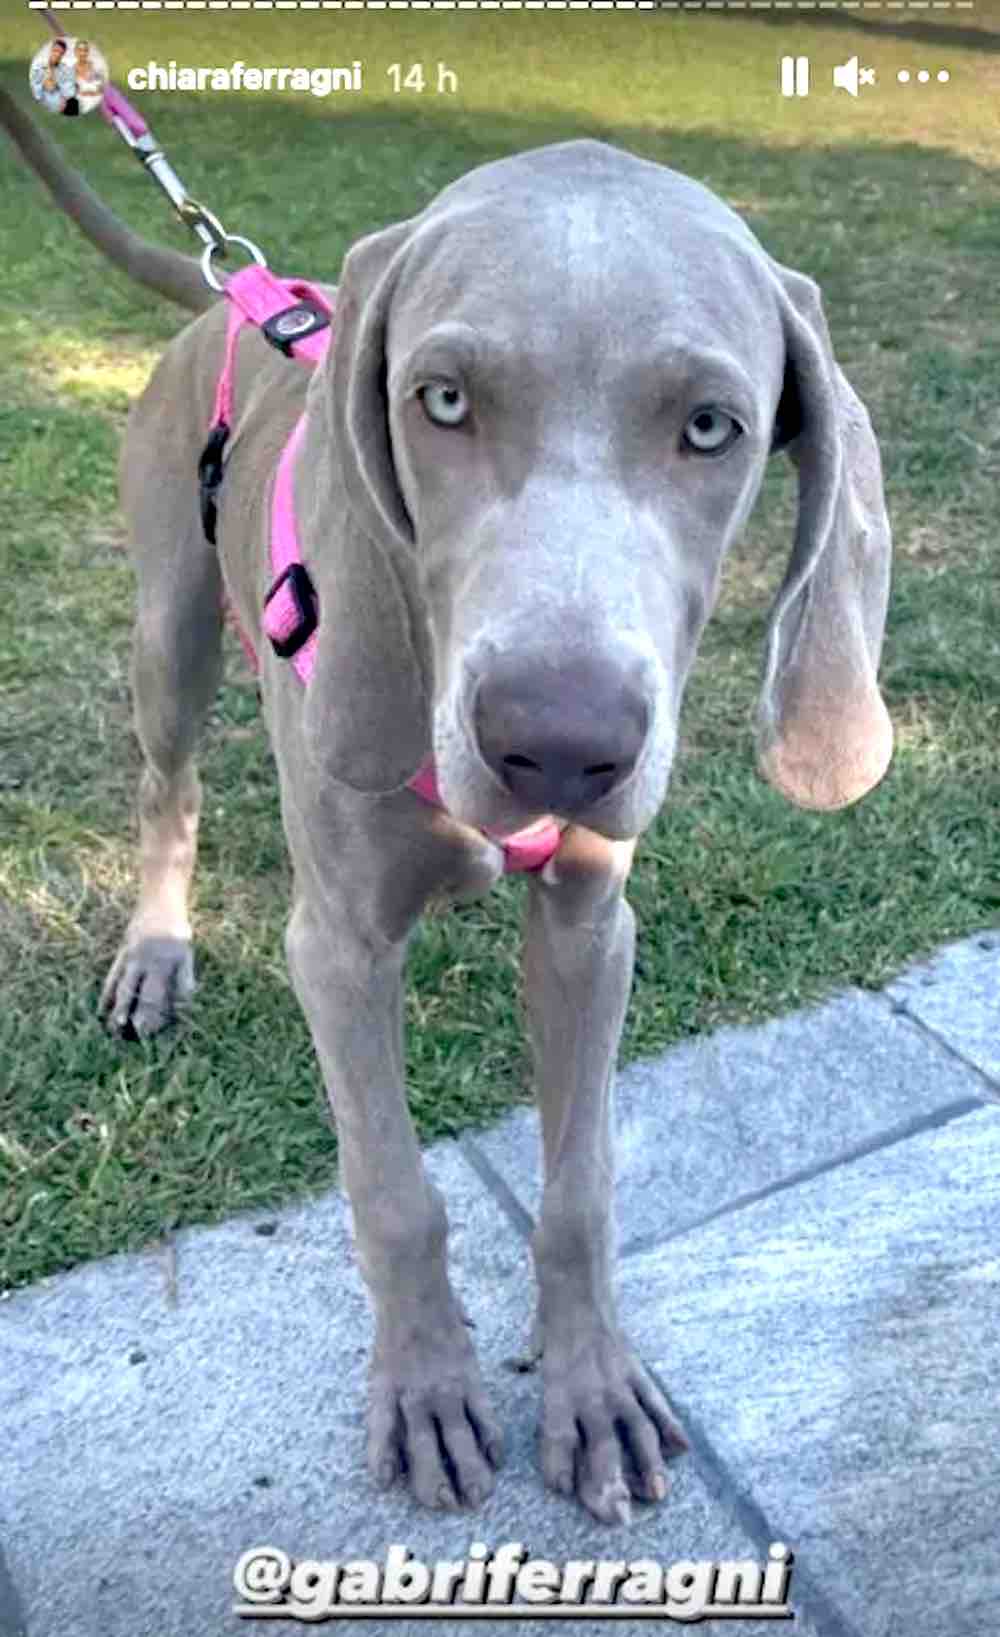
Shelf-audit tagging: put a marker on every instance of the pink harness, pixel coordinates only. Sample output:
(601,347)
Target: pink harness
(296,318)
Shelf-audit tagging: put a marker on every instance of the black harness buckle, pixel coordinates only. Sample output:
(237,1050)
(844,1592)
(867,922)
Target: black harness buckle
(296,577)
(294,324)
(210,469)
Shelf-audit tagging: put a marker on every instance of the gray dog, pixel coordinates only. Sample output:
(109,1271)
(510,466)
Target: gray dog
(544,417)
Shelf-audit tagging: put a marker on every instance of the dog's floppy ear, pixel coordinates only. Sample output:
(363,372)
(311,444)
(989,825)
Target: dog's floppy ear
(368,715)
(359,406)
(824,735)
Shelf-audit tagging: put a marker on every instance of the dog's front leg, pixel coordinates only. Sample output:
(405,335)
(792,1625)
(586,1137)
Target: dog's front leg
(360,885)
(605,1426)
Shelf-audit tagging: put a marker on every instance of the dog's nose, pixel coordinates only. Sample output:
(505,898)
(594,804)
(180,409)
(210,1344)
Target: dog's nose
(561,737)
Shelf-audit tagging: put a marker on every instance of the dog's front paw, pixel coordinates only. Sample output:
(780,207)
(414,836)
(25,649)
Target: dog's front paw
(147,984)
(428,1421)
(606,1428)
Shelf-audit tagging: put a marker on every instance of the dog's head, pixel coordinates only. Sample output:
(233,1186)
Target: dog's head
(552,397)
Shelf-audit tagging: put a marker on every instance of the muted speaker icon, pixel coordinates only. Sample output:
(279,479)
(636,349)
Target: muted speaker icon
(848,76)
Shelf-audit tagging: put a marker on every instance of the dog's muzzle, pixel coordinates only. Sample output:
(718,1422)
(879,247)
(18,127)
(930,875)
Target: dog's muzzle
(560,738)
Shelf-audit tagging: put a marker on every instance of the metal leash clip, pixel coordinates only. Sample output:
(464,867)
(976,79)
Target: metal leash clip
(214,237)
(133,130)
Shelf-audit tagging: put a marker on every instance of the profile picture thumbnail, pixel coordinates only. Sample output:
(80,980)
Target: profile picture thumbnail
(68,75)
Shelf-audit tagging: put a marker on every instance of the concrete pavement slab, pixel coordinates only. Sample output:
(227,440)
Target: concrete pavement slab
(148,1441)
(840,1346)
(956,995)
(722,1116)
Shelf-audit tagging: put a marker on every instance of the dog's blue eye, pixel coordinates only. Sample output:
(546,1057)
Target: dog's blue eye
(710,430)
(444,403)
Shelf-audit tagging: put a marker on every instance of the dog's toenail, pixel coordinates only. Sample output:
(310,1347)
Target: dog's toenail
(386,1473)
(444,1495)
(658,1486)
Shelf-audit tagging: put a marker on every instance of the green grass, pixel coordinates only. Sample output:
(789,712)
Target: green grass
(746,906)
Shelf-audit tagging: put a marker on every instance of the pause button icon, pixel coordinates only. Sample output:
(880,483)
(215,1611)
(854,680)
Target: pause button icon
(795,76)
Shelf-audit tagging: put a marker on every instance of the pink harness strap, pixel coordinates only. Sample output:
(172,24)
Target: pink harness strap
(281,611)
(291,312)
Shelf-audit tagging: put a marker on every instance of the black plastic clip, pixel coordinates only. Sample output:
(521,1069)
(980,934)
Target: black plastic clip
(296,577)
(294,324)
(210,470)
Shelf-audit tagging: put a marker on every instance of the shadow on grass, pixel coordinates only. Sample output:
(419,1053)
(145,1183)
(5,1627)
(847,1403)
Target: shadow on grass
(946,36)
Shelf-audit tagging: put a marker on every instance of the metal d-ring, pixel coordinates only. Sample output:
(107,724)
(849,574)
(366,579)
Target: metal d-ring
(227,239)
